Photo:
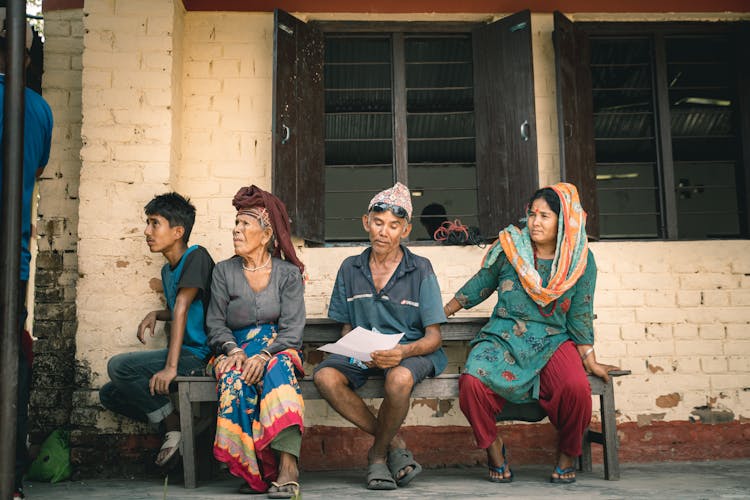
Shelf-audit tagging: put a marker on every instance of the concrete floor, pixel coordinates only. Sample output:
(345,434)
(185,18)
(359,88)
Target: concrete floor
(670,480)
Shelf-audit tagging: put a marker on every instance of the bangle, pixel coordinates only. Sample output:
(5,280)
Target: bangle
(235,351)
(228,346)
(264,351)
(586,354)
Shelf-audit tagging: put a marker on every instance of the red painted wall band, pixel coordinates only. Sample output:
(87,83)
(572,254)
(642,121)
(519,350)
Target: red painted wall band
(52,5)
(446,6)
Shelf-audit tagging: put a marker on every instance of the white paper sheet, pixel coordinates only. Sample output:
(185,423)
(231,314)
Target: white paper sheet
(360,342)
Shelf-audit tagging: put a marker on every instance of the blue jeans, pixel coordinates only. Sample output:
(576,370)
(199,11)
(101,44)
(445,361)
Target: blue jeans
(128,394)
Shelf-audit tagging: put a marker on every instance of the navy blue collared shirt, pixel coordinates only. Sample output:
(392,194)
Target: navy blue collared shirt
(408,303)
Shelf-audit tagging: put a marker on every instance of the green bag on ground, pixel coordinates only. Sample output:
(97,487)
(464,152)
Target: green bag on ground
(53,462)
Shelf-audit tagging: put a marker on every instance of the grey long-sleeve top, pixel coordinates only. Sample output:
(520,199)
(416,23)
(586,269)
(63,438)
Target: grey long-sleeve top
(234,305)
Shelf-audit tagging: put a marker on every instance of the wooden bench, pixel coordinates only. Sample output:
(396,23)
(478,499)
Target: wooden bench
(321,331)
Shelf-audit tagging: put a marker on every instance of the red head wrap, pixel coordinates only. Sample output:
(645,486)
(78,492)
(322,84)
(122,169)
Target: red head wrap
(253,196)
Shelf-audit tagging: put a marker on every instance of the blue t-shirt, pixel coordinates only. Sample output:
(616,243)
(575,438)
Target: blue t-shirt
(36,146)
(193,271)
(408,303)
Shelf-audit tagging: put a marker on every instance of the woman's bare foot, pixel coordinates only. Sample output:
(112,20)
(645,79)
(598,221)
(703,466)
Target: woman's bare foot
(498,464)
(565,471)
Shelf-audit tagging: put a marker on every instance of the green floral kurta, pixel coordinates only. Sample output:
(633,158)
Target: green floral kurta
(517,342)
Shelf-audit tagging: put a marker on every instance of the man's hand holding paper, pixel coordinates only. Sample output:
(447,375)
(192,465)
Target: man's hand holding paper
(388,358)
(361,343)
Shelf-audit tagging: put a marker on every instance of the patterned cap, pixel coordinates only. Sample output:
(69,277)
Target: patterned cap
(398,195)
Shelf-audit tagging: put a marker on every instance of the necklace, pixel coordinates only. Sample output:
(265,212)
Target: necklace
(253,269)
(554,302)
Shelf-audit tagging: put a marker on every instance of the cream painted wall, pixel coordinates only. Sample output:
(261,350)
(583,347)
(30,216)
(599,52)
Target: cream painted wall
(226,133)
(675,313)
(131,106)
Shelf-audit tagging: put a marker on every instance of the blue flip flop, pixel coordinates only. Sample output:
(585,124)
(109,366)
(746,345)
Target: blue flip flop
(560,472)
(501,470)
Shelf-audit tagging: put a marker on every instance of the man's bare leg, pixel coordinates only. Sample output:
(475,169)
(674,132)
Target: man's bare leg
(334,387)
(393,411)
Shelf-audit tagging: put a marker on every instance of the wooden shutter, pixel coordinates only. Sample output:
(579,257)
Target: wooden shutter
(742,42)
(507,171)
(575,118)
(298,148)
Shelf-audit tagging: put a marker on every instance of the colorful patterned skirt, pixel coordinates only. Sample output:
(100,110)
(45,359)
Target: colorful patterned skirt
(251,416)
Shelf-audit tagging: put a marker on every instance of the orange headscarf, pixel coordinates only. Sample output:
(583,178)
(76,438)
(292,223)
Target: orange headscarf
(571,253)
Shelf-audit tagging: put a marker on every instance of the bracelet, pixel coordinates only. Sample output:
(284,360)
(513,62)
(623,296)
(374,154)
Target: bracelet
(228,346)
(235,351)
(586,354)
(264,351)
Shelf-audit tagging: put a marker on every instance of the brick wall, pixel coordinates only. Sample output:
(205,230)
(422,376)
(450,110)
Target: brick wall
(226,133)
(175,100)
(675,313)
(55,369)
(130,117)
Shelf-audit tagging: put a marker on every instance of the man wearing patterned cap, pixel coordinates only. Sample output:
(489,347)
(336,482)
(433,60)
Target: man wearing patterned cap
(389,289)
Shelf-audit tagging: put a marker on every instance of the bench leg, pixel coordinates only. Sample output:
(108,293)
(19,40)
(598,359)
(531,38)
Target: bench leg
(609,431)
(585,458)
(188,437)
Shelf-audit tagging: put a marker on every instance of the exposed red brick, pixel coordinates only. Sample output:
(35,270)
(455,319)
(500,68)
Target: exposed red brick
(668,400)
(155,285)
(52,5)
(654,368)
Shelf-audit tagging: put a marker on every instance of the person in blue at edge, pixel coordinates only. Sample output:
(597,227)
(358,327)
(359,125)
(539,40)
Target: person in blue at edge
(389,289)
(139,381)
(37,139)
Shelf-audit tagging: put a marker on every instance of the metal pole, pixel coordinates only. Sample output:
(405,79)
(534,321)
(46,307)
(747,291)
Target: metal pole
(10,239)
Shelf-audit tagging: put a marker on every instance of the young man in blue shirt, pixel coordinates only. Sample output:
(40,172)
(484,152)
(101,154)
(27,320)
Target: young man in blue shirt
(389,289)
(139,386)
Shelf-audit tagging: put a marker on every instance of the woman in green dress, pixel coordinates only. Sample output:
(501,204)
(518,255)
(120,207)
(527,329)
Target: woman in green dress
(538,342)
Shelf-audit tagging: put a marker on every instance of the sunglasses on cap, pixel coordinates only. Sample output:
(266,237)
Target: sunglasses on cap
(398,211)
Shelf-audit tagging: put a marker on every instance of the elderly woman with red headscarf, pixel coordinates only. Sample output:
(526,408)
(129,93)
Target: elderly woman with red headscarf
(539,341)
(255,322)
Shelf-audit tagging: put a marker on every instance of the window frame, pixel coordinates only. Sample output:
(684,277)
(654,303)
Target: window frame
(509,163)
(397,32)
(665,160)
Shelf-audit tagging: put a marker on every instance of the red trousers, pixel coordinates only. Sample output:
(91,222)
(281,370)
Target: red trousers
(564,393)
